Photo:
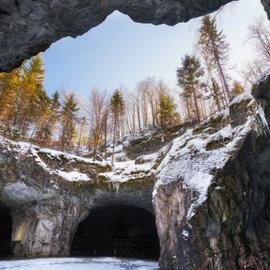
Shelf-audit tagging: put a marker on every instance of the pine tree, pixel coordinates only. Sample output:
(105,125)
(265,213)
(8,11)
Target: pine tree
(188,77)
(9,85)
(47,122)
(68,121)
(168,116)
(215,91)
(31,88)
(117,110)
(215,50)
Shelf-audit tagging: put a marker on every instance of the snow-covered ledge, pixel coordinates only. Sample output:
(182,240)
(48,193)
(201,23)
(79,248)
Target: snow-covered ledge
(205,186)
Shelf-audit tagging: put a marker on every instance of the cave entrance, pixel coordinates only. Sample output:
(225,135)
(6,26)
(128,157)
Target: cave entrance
(5,232)
(119,231)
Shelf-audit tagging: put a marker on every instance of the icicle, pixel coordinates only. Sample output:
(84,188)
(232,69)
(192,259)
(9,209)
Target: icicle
(116,186)
(264,122)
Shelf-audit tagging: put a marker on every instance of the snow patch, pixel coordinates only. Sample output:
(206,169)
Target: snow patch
(73,176)
(246,95)
(192,161)
(185,233)
(262,76)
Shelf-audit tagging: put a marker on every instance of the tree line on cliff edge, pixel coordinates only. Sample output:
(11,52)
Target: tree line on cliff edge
(58,121)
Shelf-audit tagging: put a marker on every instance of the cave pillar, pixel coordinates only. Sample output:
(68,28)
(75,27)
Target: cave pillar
(45,229)
(170,205)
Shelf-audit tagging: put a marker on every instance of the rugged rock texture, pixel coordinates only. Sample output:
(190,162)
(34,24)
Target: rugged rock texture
(150,141)
(45,228)
(266,4)
(29,27)
(211,190)
(222,223)
(49,193)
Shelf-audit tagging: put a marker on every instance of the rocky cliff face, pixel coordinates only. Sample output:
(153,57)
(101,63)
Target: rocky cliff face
(212,195)
(210,186)
(49,193)
(266,4)
(29,27)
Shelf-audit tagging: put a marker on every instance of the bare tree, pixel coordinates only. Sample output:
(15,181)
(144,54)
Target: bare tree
(259,34)
(97,112)
(251,71)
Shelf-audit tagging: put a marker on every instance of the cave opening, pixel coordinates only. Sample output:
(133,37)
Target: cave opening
(117,231)
(5,232)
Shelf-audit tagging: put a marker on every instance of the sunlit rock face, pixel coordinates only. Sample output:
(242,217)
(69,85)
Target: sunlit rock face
(208,188)
(29,27)
(212,193)
(48,193)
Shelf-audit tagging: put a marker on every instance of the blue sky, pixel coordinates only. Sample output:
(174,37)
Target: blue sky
(120,52)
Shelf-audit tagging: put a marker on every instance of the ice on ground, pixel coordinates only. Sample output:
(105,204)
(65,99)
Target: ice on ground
(78,264)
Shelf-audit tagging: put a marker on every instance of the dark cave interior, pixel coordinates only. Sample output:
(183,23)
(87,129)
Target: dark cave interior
(5,232)
(119,231)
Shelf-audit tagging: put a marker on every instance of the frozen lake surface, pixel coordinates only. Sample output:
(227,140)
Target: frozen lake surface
(78,264)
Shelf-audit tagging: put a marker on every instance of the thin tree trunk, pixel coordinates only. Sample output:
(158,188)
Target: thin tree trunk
(114,137)
(139,118)
(105,138)
(196,103)
(187,109)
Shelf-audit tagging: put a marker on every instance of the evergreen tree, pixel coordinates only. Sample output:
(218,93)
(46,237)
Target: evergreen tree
(117,110)
(167,111)
(30,93)
(215,50)
(68,121)
(215,92)
(48,119)
(9,85)
(188,77)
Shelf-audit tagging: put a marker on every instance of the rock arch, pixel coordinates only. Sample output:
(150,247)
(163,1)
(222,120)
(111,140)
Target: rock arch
(29,26)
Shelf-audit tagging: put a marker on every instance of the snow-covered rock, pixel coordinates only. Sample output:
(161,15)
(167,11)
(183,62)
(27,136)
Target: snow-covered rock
(49,192)
(212,191)
(209,185)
